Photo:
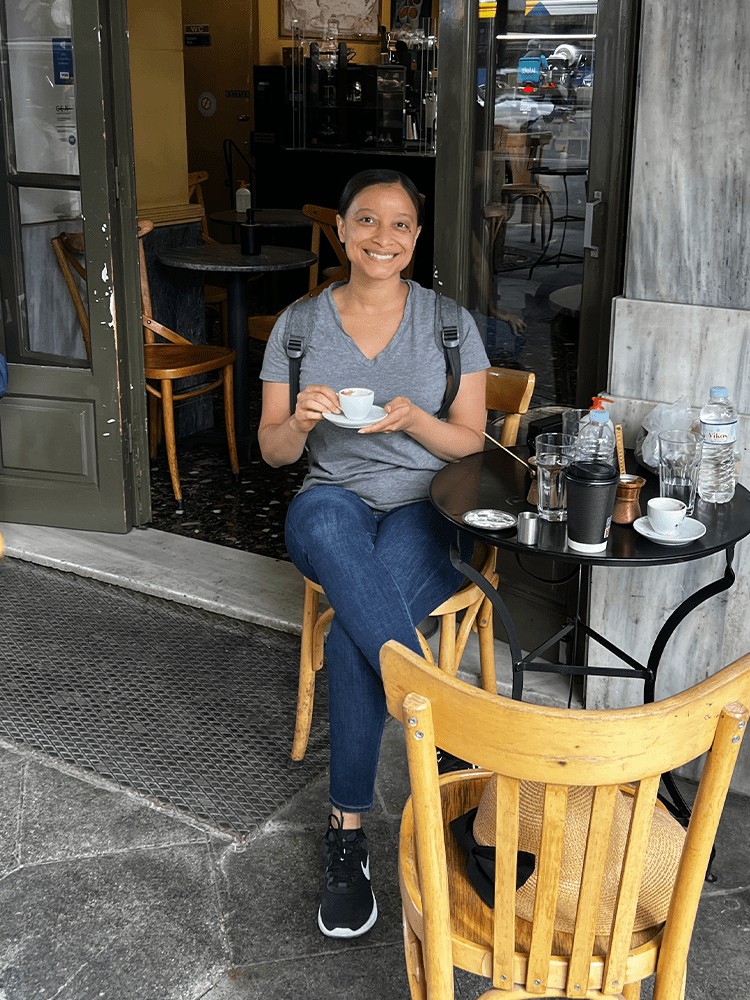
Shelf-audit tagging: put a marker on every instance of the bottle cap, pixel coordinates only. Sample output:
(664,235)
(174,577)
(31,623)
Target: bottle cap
(599,401)
(719,392)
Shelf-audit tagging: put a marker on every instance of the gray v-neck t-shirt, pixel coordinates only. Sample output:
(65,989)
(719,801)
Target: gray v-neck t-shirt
(385,470)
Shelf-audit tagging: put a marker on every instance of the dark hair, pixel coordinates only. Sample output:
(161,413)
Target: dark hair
(367,178)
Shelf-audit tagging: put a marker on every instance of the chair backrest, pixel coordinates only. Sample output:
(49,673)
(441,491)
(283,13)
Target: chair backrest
(196,180)
(68,249)
(145,226)
(324,228)
(562,751)
(509,391)
(525,150)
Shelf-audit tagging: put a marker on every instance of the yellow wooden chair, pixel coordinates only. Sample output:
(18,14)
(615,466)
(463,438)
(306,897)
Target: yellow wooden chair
(324,233)
(554,784)
(508,391)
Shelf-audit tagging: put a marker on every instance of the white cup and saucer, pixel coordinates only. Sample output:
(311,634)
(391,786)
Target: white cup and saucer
(358,409)
(668,524)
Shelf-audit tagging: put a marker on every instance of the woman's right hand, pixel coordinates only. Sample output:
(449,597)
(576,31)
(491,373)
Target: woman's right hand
(312,402)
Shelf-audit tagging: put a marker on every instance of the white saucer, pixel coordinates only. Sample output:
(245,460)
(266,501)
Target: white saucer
(375,414)
(689,531)
(490,520)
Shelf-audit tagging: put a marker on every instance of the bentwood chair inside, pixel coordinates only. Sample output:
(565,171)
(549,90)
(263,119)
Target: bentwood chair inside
(554,870)
(169,357)
(466,611)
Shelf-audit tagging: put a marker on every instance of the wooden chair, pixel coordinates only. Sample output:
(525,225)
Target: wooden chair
(69,248)
(521,152)
(169,357)
(213,295)
(324,233)
(554,756)
(511,392)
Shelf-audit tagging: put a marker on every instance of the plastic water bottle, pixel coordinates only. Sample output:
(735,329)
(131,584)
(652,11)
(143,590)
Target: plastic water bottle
(596,439)
(716,478)
(243,198)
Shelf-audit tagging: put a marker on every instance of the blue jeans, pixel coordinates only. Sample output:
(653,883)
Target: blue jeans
(382,573)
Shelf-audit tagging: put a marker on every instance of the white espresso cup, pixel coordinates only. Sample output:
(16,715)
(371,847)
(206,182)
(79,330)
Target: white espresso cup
(666,514)
(356,403)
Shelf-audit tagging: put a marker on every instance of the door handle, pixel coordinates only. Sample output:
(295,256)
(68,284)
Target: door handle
(588,224)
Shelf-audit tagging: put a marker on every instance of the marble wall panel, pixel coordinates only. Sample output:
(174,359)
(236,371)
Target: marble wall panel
(663,350)
(690,210)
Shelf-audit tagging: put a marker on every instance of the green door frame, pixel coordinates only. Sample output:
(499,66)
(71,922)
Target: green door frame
(103,484)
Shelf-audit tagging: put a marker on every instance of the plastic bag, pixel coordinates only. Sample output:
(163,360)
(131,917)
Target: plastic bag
(664,417)
(3,375)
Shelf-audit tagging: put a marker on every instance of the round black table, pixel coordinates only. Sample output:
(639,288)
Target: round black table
(226,259)
(494,479)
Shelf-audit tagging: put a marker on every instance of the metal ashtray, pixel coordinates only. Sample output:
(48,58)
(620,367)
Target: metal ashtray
(490,520)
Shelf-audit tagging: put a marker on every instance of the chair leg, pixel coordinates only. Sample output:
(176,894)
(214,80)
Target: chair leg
(307,671)
(632,991)
(415,973)
(447,652)
(229,418)
(485,634)
(170,440)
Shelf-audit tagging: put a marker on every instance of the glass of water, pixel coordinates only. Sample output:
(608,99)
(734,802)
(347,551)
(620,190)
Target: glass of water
(554,453)
(679,463)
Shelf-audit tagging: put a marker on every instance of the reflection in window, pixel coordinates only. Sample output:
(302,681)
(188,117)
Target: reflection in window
(535,71)
(53,327)
(40,60)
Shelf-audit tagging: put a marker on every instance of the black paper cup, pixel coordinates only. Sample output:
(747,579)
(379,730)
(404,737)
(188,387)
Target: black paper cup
(592,487)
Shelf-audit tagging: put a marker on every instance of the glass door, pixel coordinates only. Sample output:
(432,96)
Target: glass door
(532,202)
(535,80)
(70,448)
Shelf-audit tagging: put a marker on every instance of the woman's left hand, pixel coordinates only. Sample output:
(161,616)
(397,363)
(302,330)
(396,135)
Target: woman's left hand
(401,416)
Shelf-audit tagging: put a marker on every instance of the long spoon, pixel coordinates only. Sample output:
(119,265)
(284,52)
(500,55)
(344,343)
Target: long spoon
(512,454)
(620,448)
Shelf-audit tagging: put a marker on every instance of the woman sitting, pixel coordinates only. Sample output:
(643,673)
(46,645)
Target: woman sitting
(362,526)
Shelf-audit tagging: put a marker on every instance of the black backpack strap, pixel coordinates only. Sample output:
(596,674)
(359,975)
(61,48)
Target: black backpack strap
(448,336)
(300,317)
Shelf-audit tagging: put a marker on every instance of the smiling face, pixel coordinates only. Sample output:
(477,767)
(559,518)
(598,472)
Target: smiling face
(379,230)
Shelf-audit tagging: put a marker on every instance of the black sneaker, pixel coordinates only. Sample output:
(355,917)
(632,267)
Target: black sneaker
(348,908)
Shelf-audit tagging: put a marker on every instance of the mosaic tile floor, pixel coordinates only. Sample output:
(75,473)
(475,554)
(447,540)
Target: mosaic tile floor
(247,516)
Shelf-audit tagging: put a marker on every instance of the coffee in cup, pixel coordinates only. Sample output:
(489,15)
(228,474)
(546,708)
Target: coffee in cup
(356,403)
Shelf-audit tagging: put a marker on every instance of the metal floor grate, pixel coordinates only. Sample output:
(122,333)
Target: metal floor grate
(186,707)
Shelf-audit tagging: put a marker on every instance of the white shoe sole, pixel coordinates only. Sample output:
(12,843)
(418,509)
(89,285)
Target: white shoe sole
(346,932)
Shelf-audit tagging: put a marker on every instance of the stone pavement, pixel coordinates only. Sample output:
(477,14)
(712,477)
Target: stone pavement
(104,896)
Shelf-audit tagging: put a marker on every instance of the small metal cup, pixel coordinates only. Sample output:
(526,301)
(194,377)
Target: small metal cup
(528,522)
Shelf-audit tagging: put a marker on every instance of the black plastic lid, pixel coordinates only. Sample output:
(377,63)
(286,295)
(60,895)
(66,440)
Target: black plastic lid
(592,472)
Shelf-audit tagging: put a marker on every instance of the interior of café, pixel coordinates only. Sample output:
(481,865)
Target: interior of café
(287,103)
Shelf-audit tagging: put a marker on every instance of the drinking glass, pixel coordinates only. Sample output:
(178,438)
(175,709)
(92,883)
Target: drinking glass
(572,420)
(679,463)
(554,453)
